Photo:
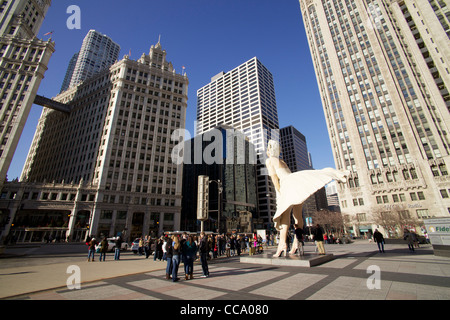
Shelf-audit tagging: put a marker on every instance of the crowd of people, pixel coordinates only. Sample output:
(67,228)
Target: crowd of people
(187,248)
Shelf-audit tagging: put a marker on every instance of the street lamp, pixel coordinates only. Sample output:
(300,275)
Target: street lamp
(219,202)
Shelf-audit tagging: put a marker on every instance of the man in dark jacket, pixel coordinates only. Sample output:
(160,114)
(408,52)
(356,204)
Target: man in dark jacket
(378,237)
(204,248)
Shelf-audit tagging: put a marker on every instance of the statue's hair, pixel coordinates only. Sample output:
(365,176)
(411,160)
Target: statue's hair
(274,148)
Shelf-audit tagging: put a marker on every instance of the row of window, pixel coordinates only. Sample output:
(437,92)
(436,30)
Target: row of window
(414,196)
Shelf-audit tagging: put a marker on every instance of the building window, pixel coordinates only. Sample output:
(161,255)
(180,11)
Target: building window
(361,217)
(443,169)
(106,214)
(444,193)
(423,213)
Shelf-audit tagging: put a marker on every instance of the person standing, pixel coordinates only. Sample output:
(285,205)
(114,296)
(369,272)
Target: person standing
(176,251)
(147,243)
(203,248)
(169,253)
(141,246)
(189,251)
(298,241)
(318,237)
(118,246)
(91,252)
(158,249)
(378,237)
(103,248)
(164,248)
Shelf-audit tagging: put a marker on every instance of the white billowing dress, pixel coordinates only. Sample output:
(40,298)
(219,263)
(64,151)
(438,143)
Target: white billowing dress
(296,187)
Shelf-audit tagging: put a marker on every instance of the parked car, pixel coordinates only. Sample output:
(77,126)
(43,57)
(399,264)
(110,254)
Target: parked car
(112,244)
(135,246)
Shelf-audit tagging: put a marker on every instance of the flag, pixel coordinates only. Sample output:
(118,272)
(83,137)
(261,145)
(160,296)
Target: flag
(48,33)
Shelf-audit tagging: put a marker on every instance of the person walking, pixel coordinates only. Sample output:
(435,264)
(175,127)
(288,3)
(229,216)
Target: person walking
(318,238)
(189,251)
(103,248)
(203,248)
(410,237)
(379,239)
(91,251)
(117,248)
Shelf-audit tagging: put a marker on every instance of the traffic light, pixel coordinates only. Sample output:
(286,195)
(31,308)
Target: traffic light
(203,198)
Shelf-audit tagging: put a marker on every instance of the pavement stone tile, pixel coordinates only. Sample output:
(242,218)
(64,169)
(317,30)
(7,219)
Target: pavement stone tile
(404,276)
(97,293)
(288,287)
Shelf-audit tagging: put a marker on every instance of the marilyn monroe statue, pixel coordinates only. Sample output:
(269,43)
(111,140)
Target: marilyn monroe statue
(293,189)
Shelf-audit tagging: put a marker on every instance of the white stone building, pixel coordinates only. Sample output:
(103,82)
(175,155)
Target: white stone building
(383,72)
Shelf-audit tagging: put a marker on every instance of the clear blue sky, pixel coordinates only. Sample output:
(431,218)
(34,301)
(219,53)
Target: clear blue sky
(205,36)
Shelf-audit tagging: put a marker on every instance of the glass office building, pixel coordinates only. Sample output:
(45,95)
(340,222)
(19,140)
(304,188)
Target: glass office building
(235,168)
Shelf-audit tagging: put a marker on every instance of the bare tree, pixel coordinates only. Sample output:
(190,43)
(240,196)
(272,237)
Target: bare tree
(331,221)
(394,221)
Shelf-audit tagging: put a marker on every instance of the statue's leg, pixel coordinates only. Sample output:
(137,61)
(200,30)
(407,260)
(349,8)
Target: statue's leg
(297,214)
(284,227)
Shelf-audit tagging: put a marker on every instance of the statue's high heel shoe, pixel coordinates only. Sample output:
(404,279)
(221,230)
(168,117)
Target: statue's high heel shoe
(280,251)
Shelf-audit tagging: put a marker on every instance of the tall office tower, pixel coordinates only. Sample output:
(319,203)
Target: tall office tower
(117,138)
(382,68)
(295,153)
(98,52)
(294,149)
(244,98)
(69,72)
(23,62)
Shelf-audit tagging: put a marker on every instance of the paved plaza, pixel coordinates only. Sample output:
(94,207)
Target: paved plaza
(351,275)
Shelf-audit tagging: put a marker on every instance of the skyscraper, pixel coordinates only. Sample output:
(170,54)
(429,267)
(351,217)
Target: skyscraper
(244,98)
(382,68)
(295,153)
(97,53)
(69,72)
(294,149)
(116,142)
(23,62)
